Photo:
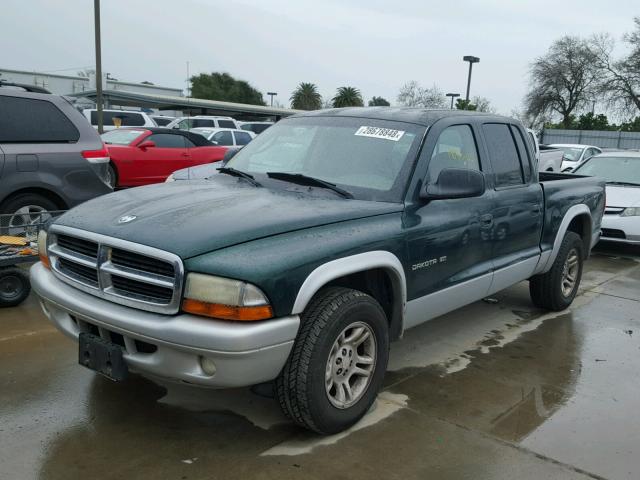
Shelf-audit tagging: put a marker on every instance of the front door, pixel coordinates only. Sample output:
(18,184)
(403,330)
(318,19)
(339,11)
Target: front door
(155,164)
(449,247)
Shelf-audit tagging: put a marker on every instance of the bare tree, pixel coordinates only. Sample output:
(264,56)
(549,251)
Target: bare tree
(483,104)
(619,78)
(563,80)
(413,95)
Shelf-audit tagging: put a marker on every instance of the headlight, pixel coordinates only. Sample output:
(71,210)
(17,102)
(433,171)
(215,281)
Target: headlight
(170,178)
(42,248)
(224,298)
(631,212)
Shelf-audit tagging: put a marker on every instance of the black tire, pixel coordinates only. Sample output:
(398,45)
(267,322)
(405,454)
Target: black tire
(546,290)
(14,286)
(13,204)
(112,176)
(300,388)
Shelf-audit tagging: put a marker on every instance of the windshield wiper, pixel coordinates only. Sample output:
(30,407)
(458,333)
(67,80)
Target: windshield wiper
(240,174)
(301,179)
(632,184)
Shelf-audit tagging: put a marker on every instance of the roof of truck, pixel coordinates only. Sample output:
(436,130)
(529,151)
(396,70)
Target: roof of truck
(421,116)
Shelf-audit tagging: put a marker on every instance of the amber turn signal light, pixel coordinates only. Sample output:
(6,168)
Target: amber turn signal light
(227,312)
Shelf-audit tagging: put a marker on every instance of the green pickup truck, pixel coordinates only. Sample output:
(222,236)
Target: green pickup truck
(316,245)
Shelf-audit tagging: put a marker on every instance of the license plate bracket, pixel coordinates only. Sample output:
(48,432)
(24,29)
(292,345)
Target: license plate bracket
(102,356)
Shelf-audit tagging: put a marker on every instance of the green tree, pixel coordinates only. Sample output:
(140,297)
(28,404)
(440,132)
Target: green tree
(347,97)
(589,121)
(306,97)
(631,125)
(462,104)
(379,102)
(223,87)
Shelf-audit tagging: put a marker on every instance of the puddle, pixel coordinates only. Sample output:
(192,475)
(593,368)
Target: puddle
(386,405)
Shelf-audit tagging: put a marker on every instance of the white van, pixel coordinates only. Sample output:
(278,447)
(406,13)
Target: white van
(112,119)
(203,121)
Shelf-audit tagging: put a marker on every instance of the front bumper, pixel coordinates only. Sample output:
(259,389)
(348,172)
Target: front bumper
(614,224)
(245,353)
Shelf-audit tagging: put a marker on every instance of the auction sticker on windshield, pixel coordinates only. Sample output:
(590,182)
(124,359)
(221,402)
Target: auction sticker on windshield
(378,132)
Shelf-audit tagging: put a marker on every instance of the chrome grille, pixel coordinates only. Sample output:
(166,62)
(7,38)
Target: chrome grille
(117,270)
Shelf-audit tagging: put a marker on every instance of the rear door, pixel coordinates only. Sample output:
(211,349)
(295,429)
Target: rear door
(242,138)
(518,205)
(223,139)
(155,164)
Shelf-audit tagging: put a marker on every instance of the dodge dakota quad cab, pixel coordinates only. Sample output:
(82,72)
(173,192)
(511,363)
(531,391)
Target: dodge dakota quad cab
(316,245)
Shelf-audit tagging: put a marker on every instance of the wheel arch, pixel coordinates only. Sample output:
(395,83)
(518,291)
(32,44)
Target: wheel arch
(578,220)
(55,198)
(361,272)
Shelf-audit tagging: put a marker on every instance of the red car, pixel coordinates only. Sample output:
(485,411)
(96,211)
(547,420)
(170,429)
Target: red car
(141,156)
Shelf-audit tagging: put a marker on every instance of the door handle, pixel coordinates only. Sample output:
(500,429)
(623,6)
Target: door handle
(486,220)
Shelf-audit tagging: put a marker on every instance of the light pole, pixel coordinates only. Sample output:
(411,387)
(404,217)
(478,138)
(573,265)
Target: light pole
(96,17)
(471,59)
(272,94)
(452,95)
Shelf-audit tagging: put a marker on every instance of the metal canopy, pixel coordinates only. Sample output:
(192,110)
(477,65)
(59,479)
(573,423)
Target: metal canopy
(193,106)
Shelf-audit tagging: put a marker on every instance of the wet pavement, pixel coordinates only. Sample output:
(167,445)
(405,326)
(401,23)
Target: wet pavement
(494,390)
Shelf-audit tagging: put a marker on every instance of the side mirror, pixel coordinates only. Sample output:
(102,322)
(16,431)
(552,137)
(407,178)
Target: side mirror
(455,183)
(147,144)
(229,154)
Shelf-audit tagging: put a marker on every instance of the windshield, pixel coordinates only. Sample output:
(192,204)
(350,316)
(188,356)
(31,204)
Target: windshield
(612,169)
(120,137)
(370,159)
(571,154)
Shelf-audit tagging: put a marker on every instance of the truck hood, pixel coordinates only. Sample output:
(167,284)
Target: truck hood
(192,218)
(618,196)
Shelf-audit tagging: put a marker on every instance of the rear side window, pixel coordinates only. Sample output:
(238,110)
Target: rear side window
(242,138)
(127,119)
(503,154)
(525,161)
(167,140)
(26,120)
(226,124)
(162,122)
(202,122)
(223,138)
(455,148)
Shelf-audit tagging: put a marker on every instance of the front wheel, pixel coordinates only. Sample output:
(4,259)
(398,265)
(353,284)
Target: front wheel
(556,289)
(338,361)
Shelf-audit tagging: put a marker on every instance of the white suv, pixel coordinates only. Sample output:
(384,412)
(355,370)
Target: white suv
(112,119)
(203,121)
(226,137)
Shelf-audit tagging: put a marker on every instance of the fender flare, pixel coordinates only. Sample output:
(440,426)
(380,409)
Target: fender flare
(544,265)
(340,267)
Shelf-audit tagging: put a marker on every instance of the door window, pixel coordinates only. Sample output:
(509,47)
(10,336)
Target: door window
(202,122)
(166,140)
(25,120)
(242,138)
(223,138)
(455,148)
(504,155)
(127,119)
(525,161)
(226,124)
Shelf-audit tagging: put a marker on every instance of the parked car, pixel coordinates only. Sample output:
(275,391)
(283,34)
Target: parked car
(320,242)
(141,156)
(228,137)
(549,158)
(201,172)
(204,121)
(162,120)
(112,119)
(255,127)
(575,154)
(621,170)
(50,157)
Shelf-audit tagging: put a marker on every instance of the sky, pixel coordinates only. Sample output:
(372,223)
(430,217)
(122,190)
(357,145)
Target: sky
(374,45)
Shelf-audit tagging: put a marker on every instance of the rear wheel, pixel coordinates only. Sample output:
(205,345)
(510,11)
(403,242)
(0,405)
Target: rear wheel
(338,361)
(112,176)
(14,286)
(25,209)
(556,289)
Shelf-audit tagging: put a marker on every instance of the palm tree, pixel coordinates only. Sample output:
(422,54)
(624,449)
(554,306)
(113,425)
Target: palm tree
(348,97)
(306,97)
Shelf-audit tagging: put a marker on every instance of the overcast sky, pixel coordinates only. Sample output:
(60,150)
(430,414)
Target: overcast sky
(374,45)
